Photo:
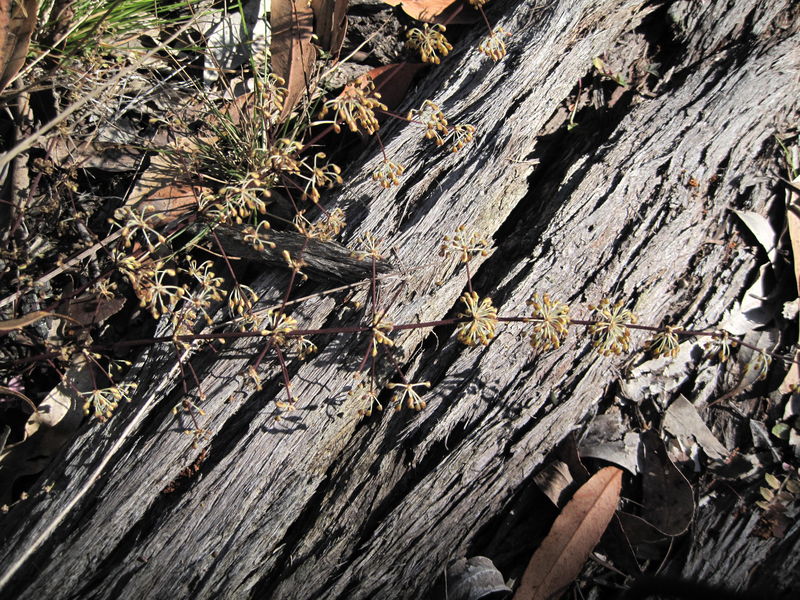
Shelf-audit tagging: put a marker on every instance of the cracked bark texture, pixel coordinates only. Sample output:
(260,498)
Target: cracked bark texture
(323,504)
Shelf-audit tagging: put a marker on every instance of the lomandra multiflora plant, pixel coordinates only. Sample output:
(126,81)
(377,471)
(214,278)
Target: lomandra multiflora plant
(242,163)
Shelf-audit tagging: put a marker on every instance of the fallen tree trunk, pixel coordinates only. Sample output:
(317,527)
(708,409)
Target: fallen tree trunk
(633,203)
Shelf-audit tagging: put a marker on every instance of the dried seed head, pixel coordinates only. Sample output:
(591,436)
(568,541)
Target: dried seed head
(466,243)
(388,174)
(493,44)
(664,343)
(356,106)
(408,395)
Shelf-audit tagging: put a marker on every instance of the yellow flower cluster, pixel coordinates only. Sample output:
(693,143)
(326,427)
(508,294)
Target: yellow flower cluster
(467,244)
(430,115)
(482,320)
(356,106)
(610,329)
(430,42)
(493,45)
(551,322)
(388,174)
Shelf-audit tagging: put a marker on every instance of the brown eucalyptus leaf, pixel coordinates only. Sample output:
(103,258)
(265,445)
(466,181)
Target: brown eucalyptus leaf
(110,157)
(47,430)
(292,52)
(616,545)
(649,542)
(445,12)
(89,309)
(639,531)
(23,321)
(161,192)
(330,23)
(5,20)
(574,534)
(17,23)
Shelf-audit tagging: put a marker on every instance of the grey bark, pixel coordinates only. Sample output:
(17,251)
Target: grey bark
(324,504)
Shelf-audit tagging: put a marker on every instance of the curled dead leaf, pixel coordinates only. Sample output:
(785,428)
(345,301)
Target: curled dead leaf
(160,192)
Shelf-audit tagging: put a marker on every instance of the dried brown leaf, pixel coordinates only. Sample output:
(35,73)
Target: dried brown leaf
(330,23)
(5,20)
(393,81)
(446,12)
(89,309)
(48,429)
(17,23)
(292,52)
(159,190)
(574,534)
(23,321)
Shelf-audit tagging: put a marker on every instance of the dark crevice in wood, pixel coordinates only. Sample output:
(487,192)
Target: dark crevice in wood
(510,537)
(286,563)
(556,154)
(231,432)
(434,456)
(122,550)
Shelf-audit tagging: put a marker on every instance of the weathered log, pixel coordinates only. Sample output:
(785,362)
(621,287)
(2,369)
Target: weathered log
(323,504)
